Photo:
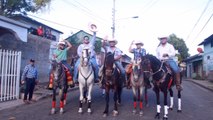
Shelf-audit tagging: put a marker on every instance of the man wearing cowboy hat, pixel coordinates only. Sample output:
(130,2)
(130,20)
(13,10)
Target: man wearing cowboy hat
(138,53)
(91,45)
(117,55)
(166,52)
(60,55)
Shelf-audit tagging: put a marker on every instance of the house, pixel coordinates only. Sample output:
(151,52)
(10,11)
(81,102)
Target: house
(194,67)
(208,57)
(38,28)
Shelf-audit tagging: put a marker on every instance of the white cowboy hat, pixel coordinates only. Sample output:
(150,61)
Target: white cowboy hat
(61,43)
(112,40)
(93,27)
(139,42)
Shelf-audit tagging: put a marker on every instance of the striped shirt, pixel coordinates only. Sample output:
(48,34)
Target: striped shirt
(30,72)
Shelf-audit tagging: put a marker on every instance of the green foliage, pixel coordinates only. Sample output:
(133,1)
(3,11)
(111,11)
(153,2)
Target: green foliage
(10,7)
(179,45)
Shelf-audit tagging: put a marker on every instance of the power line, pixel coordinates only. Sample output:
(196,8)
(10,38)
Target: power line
(54,22)
(85,11)
(199,19)
(204,26)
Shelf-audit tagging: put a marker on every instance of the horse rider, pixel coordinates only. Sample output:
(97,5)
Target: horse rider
(60,55)
(138,53)
(117,56)
(166,52)
(87,43)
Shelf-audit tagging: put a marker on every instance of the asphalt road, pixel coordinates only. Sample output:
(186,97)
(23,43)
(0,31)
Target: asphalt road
(197,104)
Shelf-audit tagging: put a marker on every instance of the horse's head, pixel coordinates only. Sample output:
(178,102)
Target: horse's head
(85,56)
(109,61)
(147,66)
(56,70)
(137,69)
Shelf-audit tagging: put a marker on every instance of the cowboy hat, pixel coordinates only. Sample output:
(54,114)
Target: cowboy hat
(93,27)
(164,37)
(138,42)
(61,43)
(112,40)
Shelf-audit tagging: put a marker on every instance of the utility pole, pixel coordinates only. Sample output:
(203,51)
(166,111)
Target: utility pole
(113,19)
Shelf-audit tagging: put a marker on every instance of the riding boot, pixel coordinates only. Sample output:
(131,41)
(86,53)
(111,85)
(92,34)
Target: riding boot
(178,82)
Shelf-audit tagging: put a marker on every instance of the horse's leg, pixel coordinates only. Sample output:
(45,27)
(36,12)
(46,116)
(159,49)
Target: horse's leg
(171,99)
(141,90)
(157,93)
(89,98)
(85,96)
(146,97)
(119,94)
(107,100)
(165,117)
(179,101)
(134,99)
(65,95)
(53,101)
(62,98)
(81,89)
(115,97)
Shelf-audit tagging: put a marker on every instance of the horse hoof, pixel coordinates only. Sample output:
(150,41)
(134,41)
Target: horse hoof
(179,111)
(61,111)
(52,111)
(141,113)
(105,115)
(134,111)
(170,108)
(114,113)
(80,110)
(165,118)
(157,116)
(89,111)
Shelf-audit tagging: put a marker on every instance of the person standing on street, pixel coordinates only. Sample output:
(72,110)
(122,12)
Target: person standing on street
(30,78)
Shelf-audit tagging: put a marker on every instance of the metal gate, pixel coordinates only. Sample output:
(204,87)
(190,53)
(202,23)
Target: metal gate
(10,62)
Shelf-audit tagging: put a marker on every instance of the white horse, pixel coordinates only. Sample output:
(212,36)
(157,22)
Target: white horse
(86,80)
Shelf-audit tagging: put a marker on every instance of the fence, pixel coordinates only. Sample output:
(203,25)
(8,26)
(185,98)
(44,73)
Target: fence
(10,62)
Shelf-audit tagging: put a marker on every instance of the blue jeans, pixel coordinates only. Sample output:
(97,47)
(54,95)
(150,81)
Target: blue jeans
(94,64)
(173,65)
(67,65)
(122,70)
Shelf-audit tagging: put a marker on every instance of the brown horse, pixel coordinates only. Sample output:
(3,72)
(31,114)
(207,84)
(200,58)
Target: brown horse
(111,80)
(59,81)
(163,80)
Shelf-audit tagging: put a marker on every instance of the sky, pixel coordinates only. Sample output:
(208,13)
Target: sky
(189,20)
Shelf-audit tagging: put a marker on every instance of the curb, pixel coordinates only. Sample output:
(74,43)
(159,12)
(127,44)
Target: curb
(210,89)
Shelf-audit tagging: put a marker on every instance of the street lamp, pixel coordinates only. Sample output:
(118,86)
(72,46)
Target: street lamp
(113,19)
(113,23)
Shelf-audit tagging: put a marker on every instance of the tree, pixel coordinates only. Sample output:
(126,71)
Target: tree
(179,45)
(10,7)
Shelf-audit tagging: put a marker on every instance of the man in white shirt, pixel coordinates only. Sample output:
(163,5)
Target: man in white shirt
(166,52)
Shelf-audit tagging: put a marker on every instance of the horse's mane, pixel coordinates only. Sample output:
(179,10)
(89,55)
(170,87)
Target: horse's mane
(109,58)
(153,59)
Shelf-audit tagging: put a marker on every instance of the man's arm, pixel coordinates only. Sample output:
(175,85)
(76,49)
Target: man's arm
(92,42)
(130,47)
(79,50)
(69,44)
(24,73)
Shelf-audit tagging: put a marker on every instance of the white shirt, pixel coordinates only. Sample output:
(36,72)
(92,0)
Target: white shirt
(166,49)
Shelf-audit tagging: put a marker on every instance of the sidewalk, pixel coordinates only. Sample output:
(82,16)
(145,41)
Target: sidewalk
(40,93)
(203,83)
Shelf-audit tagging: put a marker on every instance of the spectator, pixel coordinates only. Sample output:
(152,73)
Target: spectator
(29,77)
(40,31)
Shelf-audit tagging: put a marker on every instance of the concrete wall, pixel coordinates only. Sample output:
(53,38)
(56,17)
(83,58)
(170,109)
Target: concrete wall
(36,47)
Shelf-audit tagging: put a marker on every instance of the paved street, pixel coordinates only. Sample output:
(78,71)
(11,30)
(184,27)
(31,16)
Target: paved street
(197,104)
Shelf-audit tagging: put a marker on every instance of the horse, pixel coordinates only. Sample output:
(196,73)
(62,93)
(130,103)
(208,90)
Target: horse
(86,80)
(163,80)
(58,78)
(111,80)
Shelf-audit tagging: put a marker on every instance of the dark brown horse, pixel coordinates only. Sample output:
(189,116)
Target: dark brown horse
(59,81)
(163,80)
(111,80)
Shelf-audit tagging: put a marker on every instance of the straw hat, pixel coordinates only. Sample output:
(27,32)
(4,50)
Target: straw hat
(93,27)
(112,40)
(139,42)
